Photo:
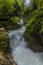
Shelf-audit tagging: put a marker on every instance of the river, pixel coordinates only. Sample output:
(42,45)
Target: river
(21,54)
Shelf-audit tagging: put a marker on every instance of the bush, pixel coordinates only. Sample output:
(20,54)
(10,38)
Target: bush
(6,7)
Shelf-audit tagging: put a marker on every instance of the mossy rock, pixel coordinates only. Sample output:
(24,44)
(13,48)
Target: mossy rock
(15,20)
(10,24)
(34,42)
(4,42)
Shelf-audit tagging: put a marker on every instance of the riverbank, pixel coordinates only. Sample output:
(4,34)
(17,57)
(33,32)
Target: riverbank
(5,50)
(6,59)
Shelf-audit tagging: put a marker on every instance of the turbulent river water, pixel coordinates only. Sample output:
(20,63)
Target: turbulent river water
(21,54)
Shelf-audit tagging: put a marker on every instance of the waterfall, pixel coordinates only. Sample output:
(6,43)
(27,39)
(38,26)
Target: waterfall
(21,54)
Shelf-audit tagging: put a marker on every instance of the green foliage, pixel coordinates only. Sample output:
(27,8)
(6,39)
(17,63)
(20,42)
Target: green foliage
(9,7)
(6,7)
(35,18)
(15,20)
(34,24)
(4,41)
(19,7)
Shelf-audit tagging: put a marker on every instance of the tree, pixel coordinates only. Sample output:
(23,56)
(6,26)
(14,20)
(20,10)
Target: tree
(6,7)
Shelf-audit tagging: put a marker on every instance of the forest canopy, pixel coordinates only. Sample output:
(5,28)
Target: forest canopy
(6,7)
(10,7)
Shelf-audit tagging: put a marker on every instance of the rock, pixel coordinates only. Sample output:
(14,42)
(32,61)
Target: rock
(2,29)
(6,59)
(35,44)
(4,42)
(10,24)
(5,51)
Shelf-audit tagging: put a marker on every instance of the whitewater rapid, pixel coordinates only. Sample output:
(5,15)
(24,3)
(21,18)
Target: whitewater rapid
(21,54)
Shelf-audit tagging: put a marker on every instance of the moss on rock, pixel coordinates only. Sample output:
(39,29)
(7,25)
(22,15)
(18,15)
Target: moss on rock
(4,41)
(10,24)
(5,51)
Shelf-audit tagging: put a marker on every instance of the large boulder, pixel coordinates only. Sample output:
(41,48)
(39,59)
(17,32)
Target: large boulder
(4,41)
